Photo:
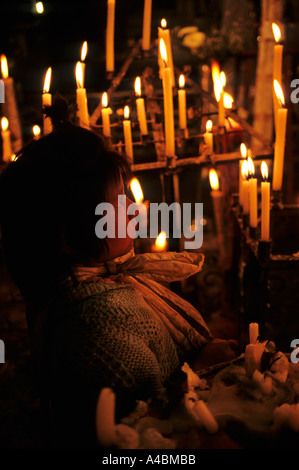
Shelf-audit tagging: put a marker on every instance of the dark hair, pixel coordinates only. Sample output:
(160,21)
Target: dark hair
(48,198)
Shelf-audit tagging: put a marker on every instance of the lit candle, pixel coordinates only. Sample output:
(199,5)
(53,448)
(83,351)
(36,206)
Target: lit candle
(6,140)
(182,103)
(168,104)
(160,244)
(277,65)
(105,115)
(253,332)
(245,188)
(82,110)
(110,36)
(243,151)
(252,194)
(141,113)
(147,24)
(265,212)
(208,137)
(227,101)
(279,150)
(164,33)
(83,57)
(36,132)
(10,108)
(47,101)
(136,190)
(218,202)
(128,134)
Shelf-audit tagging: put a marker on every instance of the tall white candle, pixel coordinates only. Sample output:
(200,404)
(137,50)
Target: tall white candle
(253,207)
(105,116)
(277,65)
(164,33)
(243,151)
(208,137)
(83,57)
(147,24)
(47,101)
(82,105)
(110,36)
(6,140)
(141,113)
(182,103)
(265,203)
(253,332)
(168,104)
(245,188)
(279,149)
(128,134)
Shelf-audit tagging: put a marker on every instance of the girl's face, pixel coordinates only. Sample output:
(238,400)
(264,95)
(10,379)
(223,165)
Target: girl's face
(117,246)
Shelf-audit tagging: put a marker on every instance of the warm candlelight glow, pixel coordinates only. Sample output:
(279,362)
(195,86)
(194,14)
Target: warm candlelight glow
(4,124)
(216,80)
(105,99)
(276,32)
(243,150)
(264,171)
(39,7)
(214,181)
(279,93)
(79,75)
(160,242)
(137,86)
(36,130)
(223,79)
(4,66)
(245,169)
(209,126)
(136,190)
(251,168)
(126,112)
(228,101)
(163,52)
(182,81)
(163,23)
(47,81)
(83,51)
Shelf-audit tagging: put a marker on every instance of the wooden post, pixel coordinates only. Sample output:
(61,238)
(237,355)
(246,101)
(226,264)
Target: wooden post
(271,11)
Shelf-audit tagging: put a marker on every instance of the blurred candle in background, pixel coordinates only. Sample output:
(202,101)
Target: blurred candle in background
(128,134)
(110,36)
(182,103)
(83,57)
(6,140)
(82,111)
(141,113)
(265,203)
(147,25)
(105,115)
(47,101)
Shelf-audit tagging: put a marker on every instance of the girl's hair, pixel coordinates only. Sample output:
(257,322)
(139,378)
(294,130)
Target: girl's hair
(48,198)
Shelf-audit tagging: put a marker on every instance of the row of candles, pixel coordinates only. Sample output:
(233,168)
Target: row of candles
(248,192)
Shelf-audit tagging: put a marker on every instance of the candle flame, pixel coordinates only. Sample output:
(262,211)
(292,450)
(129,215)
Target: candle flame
(161,241)
(264,170)
(276,32)
(279,93)
(228,101)
(163,52)
(36,130)
(182,81)
(4,66)
(223,79)
(39,7)
(138,86)
(4,123)
(163,23)
(126,112)
(209,126)
(251,168)
(216,80)
(47,81)
(214,181)
(79,75)
(14,157)
(243,150)
(83,51)
(136,190)
(104,99)
(244,169)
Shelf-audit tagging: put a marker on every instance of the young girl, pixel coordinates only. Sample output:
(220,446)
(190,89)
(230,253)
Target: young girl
(96,313)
